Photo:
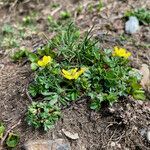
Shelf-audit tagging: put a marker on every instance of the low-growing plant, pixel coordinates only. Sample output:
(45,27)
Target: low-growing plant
(79,9)
(43,115)
(30,20)
(58,25)
(72,66)
(11,140)
(55,5)
(100,5)
(90,8)
(27,20)
(142,14)
(65,15)
(9,42)
(19,54)
(9,37)
(7,29)
(2,130)
(53,24)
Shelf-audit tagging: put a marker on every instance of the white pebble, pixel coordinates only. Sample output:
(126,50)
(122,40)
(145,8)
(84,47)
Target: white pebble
(148,135)
(132,25)
(113,144)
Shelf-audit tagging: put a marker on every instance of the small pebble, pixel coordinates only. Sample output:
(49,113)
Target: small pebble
(113,144)
(148,135)
(143,132)
(132,25)
(70,135)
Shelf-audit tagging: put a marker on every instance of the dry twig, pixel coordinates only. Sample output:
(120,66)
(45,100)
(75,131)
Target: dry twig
(13,5)
(28,95)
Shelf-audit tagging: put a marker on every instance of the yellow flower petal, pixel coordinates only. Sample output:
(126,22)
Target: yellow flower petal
(40,63)
(116,48)
(121,52)
(65,72)
(73,73)
(45,60)
(128,54)
(68,77)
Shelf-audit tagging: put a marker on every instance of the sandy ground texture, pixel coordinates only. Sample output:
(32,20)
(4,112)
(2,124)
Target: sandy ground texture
(120,129)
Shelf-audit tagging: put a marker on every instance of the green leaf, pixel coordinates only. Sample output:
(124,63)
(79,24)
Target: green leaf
(97,99)
(112,97)
(95,105)
(18,55)
(50,19)
(33,57)
(40,52)
(32,90)
(34,66)
(136,86)
(46,93)
(7,29)
(47,126)
(2,130)
(65,15)
(139,95)
(72,96)
(53,101)
(12,140)
(27,20)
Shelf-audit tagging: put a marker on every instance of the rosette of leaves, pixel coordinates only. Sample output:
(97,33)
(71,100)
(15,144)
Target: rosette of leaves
(42,115)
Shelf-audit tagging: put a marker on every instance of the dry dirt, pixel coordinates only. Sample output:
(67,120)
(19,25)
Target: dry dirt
(119,129)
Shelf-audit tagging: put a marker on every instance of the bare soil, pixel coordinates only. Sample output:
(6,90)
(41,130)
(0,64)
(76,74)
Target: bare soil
(119,127)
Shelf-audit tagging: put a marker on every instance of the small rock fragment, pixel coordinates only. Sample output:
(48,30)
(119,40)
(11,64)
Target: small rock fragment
(144,70)
(111,110)
(132,25)
(143,132)
(70,135)
(140,102)
(113,144)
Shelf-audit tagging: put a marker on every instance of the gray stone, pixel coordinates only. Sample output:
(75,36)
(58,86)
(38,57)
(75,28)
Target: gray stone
(132,25)
(58,144)
(143,132)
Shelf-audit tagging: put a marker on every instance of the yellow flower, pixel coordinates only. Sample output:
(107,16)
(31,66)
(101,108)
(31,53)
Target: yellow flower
(73,73)
(45,60)
(121,52)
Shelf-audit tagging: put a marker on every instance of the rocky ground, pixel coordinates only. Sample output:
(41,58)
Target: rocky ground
(125,125)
